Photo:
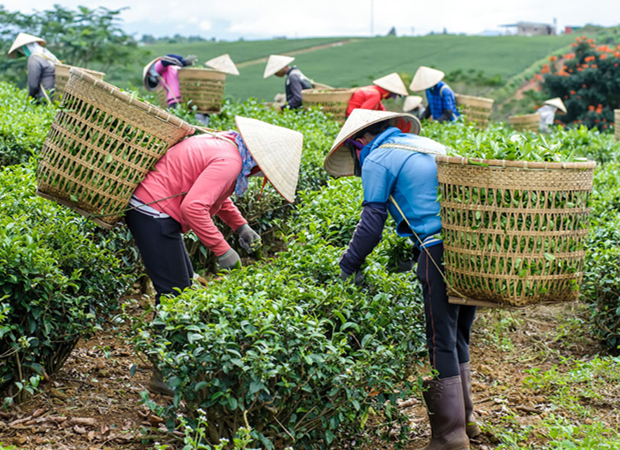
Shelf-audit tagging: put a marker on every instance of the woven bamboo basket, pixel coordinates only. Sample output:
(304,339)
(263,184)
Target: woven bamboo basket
(617,124)
(201,87)
(526,122)
(62,77)
(100,147)
(334,101)
(475,109)
(514,232)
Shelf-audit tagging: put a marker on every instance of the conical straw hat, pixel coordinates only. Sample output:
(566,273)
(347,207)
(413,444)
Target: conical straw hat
(392,83)
(145,72)
(412,102)
(276,150)
(425,78)
(223,64)
(275,63)
(338,162)
(21,40)
(558,103)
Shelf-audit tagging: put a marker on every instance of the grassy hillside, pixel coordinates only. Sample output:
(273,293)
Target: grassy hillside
(360,61)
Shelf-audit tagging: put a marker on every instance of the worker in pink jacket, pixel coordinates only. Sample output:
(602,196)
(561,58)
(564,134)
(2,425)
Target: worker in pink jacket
(192,183)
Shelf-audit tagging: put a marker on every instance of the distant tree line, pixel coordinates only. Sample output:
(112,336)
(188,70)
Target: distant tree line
(84,37)
(176,39)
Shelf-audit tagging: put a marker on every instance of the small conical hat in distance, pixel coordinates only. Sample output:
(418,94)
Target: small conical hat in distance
(223,64)
(425,78)
(275,63)
(558,103)
(393,83)
(412,102)
(21,40)
(276,150)
(338,162)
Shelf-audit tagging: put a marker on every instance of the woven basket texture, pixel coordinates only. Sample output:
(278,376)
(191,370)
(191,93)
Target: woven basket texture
(334,101)
(617,124)
(514,232)
(203,88)
(475,109)
(526,122)
(100,147)
(62,77)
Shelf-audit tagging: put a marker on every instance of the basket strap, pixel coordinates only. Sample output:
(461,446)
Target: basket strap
(445,279)
(412,148)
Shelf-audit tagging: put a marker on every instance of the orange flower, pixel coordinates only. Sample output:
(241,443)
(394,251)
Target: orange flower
(584,86)
(569,56)
(572,92)
(603,56)
(591,108)
(594,66)
(553,58)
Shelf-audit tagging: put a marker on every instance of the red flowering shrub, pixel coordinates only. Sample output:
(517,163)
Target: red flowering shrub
(587,81)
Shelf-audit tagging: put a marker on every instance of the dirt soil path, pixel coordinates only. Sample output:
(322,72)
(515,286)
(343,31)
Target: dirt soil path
(95,404)
(301,51)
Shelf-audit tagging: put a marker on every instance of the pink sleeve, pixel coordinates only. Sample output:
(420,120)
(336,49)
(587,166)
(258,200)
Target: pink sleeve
(209,188)
(230,215)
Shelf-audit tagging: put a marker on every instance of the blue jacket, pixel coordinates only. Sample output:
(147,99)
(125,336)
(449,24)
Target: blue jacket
(408,176)
(441,100)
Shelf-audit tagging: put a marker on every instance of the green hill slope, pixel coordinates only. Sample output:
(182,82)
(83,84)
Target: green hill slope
(359,61)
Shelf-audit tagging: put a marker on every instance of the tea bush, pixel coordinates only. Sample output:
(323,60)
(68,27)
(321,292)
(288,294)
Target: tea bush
(23,125)
(287,344)
(58,275)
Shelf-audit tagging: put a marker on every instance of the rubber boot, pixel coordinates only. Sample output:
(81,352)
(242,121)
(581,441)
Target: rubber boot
(471,427)
(158,386)
(446,414)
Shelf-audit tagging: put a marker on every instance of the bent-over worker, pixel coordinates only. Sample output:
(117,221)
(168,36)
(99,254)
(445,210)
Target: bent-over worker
(191,184)
(41,64)
(547,113)
(369,97)
(296,81)
(439,96)
(164,70)
(399,178)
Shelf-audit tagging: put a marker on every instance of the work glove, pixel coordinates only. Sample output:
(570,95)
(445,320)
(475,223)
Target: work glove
(248,238)
(229,260)
(190,59)
(356,277)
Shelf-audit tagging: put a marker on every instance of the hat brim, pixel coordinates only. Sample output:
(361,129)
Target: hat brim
(339,163)
(425,78)
(145,72)
(273,68)
(277,152)
(21,40)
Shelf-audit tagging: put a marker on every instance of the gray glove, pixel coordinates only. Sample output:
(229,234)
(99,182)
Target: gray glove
(190,59)
(356,277)
(229,260)
(248,238)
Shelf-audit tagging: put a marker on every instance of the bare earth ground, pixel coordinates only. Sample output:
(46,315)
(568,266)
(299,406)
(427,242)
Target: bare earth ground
(94,403)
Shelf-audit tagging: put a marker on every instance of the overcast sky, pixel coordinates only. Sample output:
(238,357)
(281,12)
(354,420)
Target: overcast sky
(263,19)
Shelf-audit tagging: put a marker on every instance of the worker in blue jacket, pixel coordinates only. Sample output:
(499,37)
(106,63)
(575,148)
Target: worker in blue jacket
(440,97)
(399,177)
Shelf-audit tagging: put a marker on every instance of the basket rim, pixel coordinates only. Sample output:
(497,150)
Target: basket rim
(461,160)
(80,68)
(146,107)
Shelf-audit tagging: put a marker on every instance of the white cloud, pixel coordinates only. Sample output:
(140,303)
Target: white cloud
(205,25)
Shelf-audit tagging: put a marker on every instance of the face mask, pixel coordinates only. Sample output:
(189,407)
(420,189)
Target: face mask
(24,51)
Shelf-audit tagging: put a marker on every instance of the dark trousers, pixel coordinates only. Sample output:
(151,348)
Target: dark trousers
(448,326)
(163,252)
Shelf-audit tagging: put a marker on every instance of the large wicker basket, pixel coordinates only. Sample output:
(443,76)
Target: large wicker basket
(617,124)
(62,77)
(514,232)
(334,101)
(526,122)
(100,147)
(200,87)
(475,109)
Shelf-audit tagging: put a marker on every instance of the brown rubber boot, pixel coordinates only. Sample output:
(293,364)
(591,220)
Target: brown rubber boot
(158,386)
(446,413)
(471,427)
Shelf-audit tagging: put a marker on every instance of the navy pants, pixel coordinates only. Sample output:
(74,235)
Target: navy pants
(163,251)
(448,326)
